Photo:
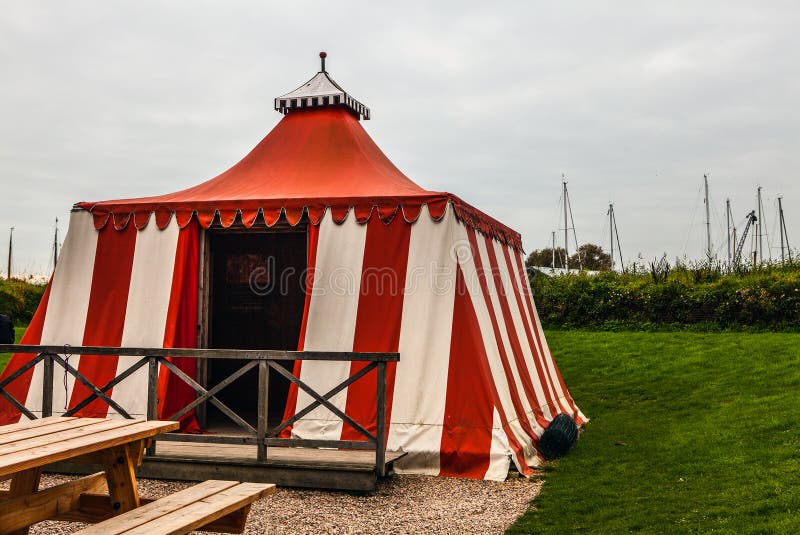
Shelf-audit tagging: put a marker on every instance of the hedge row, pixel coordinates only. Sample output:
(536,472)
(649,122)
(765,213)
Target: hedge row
(765,299)
(19,299)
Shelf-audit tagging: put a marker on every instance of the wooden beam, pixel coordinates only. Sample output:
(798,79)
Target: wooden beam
(28,424)
(67,449)
(22,484)
(35,432)
(327,404)
(158,508)
(25,510)
(96,507)
(121,479)
(91,386)
(335,390)
(108,386)
(227,411)
(256,354)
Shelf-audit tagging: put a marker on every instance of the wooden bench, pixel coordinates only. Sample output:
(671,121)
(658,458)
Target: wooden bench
(188,510)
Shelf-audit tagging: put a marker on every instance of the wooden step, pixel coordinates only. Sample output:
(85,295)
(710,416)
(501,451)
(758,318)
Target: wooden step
(184,511)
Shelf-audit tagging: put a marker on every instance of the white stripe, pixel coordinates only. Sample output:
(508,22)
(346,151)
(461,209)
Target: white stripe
(506,272)
(494,298)
(146,312)
(469,268)
(546,356)
(425,329)
(331,321)
(499,452)
(67,307)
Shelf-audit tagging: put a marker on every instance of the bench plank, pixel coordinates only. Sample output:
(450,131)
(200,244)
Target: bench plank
(28,424)
(158,508)
(50,453)
(64,435)
(94,508)
(44,430)
(198,514)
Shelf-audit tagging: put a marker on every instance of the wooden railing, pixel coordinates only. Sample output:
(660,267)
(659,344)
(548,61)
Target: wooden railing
(262,435)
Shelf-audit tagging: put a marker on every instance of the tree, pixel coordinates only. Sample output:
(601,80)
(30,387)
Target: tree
(544,258)
(592,257)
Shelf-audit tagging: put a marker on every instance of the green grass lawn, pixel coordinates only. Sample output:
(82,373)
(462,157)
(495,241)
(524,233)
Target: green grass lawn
(689,433)
(5,356)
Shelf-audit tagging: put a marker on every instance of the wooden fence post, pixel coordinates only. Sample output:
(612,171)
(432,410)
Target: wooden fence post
(152,396)
(47,387)
(380,431)
(263,412)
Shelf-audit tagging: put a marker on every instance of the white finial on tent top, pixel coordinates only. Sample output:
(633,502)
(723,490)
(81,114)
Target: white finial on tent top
(320,92)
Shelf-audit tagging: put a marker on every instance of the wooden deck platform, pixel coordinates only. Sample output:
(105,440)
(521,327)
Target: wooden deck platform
(290,467)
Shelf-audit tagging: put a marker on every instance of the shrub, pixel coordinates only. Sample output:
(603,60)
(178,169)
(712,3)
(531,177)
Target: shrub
(19,299)
(765,298)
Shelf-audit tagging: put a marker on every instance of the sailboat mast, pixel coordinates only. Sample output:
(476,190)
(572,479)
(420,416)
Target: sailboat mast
(611,231)
(728,225)
(759,228)
(566,226)
(10,251)
(784,234)
(55,247)
(553,248)
(708,220)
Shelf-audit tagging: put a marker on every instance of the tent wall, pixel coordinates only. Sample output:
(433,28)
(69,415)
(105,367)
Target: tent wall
(476,384)
(112,288)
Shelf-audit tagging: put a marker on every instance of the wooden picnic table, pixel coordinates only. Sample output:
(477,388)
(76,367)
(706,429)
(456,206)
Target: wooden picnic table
(26,447)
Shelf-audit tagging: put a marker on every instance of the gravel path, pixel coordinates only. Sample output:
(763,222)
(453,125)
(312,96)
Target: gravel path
(404,504)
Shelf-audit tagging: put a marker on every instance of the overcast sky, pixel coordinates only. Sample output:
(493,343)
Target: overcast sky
(632,101)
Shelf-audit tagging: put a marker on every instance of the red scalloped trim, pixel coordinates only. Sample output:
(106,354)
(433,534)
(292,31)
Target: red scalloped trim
(227,217)
(272,216)
(249,217)
(101,220)
(411,213)
(121,220)
(162,218)
(363,213)
(315,211)
(141,219)
(294,215)
(339,213)
(184,217)
(388,213)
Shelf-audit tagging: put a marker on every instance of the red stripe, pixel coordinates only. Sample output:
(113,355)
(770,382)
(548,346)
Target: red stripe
(545,354)
(541,369)
(21,385)
(471,395)
(291,399)
(181,328)
(105,317)
(515,399)
(513,337)
(380,312)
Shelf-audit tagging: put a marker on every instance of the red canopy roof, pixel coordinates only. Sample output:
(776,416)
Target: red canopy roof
(311,161)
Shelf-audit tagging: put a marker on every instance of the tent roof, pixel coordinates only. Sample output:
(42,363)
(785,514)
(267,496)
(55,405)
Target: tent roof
(314,160)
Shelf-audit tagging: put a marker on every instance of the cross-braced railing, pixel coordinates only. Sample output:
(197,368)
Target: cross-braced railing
(262,436)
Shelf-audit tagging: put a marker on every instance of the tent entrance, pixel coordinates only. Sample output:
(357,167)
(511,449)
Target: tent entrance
(255,297)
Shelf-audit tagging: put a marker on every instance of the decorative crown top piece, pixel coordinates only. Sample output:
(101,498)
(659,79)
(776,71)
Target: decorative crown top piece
(321,91)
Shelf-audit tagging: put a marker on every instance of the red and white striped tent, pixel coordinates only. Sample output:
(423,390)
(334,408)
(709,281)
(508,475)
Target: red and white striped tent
(392,267)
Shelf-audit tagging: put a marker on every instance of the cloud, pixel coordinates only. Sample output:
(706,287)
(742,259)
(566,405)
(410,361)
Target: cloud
(632,101)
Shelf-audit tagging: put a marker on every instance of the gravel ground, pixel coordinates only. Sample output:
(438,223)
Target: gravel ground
(403,504)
